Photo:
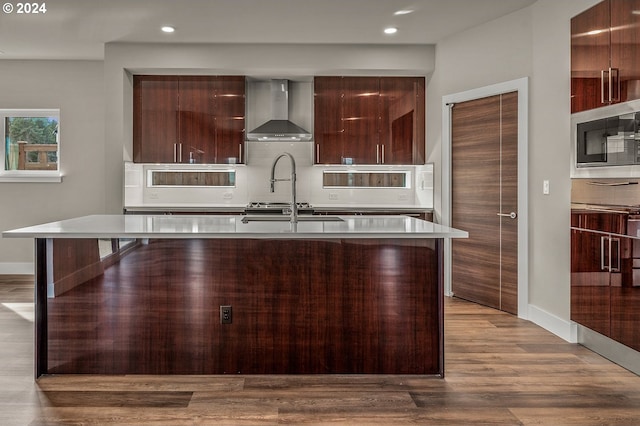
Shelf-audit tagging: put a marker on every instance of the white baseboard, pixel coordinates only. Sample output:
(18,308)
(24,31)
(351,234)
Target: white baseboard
(564,329)
(24,268)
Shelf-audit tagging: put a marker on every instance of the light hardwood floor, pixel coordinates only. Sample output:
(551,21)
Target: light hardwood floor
(499,371)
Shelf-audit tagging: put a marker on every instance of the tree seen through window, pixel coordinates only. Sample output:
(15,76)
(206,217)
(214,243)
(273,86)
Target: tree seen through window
(31,143)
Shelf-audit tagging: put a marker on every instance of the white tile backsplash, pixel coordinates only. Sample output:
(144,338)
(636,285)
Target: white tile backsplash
(252,183)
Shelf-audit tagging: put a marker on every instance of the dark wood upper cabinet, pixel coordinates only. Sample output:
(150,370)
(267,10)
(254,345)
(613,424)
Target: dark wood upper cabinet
(402,120)
(196,120)
(625,47)
(361,120)
(369,120)
(188,119)
(229,113)
(155,119)
(328,123)
(605,67)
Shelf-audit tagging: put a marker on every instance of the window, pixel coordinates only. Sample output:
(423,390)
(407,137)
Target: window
(31,148)
(366,179)
(169,178)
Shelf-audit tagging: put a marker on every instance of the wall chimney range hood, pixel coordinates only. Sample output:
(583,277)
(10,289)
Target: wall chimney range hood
(279,128)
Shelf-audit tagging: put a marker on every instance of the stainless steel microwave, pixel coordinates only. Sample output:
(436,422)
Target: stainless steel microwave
(606,141)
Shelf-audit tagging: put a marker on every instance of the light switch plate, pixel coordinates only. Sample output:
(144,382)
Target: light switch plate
(545,187)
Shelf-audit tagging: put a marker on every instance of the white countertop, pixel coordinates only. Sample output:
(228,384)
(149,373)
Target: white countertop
(234,208)
(232,226)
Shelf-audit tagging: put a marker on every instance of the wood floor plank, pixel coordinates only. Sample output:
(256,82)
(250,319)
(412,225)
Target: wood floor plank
(117,399)
(142,383)
(585,416)
(293,399)
(500,370)
(128,416)
(441,417)
(501,399)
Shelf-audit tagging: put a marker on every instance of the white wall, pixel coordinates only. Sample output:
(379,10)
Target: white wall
(76,88)
(534,43)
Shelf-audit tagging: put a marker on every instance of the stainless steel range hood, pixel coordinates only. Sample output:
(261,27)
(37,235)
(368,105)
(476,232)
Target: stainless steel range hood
(279,128)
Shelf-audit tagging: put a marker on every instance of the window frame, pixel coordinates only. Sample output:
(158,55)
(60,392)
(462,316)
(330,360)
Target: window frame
(28,175)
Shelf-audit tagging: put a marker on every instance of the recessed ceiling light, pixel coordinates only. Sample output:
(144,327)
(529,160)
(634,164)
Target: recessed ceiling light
(168,29)
(390,30)
(403,12)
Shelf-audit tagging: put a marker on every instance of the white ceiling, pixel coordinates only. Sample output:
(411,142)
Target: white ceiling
(78,29)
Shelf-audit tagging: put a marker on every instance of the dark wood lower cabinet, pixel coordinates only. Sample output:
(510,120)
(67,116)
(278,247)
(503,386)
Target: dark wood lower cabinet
(605,289)
(298,307)
(625,315)
(590,282)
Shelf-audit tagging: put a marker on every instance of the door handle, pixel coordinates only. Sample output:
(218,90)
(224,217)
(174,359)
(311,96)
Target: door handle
(512,215)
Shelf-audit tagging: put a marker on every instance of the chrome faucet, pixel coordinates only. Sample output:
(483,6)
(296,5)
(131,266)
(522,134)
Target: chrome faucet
(294,205)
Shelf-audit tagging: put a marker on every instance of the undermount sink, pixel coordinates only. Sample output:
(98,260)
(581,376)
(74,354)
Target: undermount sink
(285,218)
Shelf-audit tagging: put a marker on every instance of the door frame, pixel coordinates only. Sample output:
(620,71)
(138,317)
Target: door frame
(522,87)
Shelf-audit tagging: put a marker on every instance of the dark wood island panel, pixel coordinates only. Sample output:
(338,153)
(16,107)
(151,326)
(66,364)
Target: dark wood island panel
(347,306)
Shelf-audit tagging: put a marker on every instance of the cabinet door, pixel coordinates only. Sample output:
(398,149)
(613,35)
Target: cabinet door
(590,56)
(613,222)
(625,295)
(155,121)
(590,279)
(328,126)
(229,113)
(196,120)
(402,120)
(625,48)
(361,117)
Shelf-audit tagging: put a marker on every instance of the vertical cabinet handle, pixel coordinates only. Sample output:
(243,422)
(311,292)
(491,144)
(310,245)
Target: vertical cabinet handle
(603,262)
(602,97)
(614,83)
(377,154)
(610,84)
(617,253)
(240,153)
(382,147)
(607,254)
(177,152)
(317,153)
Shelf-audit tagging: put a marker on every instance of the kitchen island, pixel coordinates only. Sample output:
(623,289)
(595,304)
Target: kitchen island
(239,295)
